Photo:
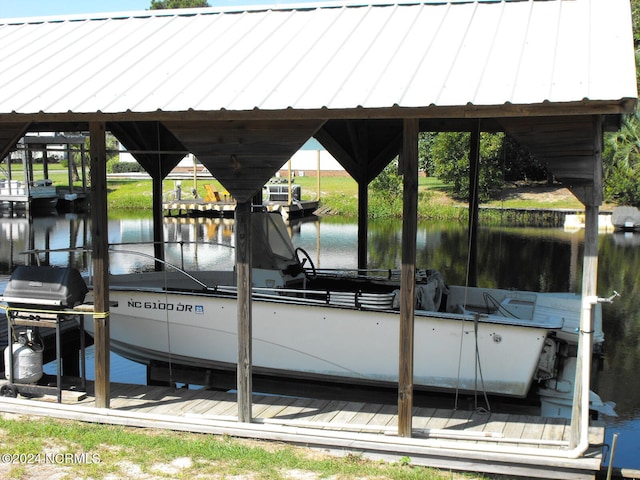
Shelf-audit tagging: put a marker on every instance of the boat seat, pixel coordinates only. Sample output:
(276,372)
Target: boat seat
(372,301)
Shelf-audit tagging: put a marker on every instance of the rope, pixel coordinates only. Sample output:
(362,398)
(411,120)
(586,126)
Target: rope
(98,315)
(478,366)
(479,369)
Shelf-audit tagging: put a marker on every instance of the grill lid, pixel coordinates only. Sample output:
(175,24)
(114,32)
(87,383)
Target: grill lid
(44,285)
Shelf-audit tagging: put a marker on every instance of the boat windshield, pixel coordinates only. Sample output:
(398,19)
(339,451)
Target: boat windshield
(272,247)
(278,237)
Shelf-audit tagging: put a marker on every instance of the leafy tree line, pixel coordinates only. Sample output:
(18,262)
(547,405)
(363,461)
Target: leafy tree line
(446,156)
(166,4)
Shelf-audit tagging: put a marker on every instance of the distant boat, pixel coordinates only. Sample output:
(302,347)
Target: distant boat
(36,195)
(626,218)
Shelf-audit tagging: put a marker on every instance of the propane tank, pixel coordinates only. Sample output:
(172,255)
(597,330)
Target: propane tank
(27,359)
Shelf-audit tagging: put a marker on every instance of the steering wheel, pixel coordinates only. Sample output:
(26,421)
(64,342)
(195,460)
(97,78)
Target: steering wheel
(306,256)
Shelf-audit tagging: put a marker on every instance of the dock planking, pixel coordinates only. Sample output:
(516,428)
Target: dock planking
(442,438)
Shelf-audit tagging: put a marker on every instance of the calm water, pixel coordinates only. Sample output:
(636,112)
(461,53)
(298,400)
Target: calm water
(546,259)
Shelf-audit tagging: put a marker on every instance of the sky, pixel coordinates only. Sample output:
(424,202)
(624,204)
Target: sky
(39,8)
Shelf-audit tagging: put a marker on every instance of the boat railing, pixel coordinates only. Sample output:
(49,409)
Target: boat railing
(352,299)
(86,250)
(115,247)
(358,299)
(381,301)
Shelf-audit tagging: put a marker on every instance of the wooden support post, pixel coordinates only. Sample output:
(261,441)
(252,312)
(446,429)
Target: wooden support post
(359,136)
(318,175)
(45,162)
(158,220)
(243,268)
(9,175)
(408,275)
(363,222)
(289,189)
(592,198)
(474,200)
(28,167)
(83,160)
(580,410)
(69,151)
(100,242)
(195,176)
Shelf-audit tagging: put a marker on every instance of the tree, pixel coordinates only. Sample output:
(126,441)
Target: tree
(519,164)
(447,154)
(425,160)
(621,161)
(167,4)
(621,155)
(388,183)
(635,15)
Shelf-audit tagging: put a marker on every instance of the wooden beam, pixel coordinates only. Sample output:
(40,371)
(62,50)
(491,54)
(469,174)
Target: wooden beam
(243,269)
(337,150)
(10,135)
(378,162)
(244,155)
(100,256)
(563,109)
(407,275)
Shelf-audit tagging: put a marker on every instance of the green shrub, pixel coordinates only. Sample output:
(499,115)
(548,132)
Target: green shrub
(114,166)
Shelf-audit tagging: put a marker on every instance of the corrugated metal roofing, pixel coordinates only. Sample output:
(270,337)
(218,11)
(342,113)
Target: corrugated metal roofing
(332,56)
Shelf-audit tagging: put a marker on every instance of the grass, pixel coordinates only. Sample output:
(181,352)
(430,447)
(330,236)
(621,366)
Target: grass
(104,451)
(338,195)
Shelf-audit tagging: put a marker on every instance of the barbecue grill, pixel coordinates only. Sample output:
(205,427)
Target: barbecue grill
(39,297)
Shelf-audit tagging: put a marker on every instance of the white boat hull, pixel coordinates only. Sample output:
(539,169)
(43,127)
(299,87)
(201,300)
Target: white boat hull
(297,340)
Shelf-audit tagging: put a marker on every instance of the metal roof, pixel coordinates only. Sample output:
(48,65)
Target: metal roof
(321,57)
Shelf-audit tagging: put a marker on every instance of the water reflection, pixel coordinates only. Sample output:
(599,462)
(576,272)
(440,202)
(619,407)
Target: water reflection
(539,259)
(547,258)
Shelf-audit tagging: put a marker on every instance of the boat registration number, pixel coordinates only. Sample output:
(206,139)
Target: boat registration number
(174,307)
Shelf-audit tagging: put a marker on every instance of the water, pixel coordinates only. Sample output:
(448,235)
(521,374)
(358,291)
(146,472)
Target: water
(539,259)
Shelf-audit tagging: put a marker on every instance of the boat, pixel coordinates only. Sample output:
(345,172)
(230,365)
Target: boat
(626,218)
(36,195)
(343,326)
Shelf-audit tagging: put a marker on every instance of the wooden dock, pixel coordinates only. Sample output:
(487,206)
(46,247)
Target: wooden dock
(199,207)
(478,441)
(295,209)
